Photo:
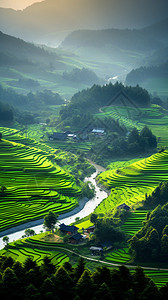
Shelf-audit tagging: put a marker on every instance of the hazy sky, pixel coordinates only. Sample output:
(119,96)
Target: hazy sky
(17,4)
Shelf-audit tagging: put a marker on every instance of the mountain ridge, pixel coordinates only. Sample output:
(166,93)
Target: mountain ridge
(46,20)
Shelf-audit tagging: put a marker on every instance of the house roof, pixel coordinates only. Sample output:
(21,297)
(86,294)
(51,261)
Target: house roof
(96,248)
(76,237)
(68,228)
(124,206)
(58,135)
(91,227)
(98,130)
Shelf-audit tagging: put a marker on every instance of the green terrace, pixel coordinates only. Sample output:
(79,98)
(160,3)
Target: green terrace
(34,184)
(130,184)
(22,249)
(155,117)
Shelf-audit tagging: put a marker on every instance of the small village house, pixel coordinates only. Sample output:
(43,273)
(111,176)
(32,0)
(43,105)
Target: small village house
(76,239)
(66,229)
(124,206)
(90,229)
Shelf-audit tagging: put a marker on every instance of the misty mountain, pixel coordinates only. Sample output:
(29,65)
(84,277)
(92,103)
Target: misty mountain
(133,40)
(28,67)
(122,50)
(50,21)
(14,51)
(142,74)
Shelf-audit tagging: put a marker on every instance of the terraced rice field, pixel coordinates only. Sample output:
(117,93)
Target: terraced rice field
(134,222)
(155,117)
(122,114)
(20,250)
(160,277)
(34,184)
(130,184)
(119,256)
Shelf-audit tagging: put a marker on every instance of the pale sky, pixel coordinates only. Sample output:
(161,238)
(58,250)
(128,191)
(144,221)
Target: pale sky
(17,4)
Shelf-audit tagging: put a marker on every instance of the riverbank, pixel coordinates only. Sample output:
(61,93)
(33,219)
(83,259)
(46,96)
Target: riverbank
(84,208)
(35,223)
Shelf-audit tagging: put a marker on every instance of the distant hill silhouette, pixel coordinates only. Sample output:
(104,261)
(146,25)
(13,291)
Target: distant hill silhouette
(152,37)
(15,51)
(51,20)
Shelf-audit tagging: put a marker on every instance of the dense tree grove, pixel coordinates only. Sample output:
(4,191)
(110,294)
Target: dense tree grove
(6,112)
(90,100)
(151,241)
(115,144)
(141,74)
(158,196)
(30,281)
(32,100)
(81,76)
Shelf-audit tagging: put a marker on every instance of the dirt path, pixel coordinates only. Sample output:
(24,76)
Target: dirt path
(98,167)
(108,263)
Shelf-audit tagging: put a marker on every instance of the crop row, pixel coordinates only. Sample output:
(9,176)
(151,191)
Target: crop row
(134,222)
(120,256)
(130,184)
(34,184)
(20,250)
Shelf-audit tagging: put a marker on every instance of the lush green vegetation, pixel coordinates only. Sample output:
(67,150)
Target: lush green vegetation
(33,180)
(130,184)
(158,196)
(155,117)
(27,280)
(81,75)
(150,243)
(6,113)
(90,100)
(153,78)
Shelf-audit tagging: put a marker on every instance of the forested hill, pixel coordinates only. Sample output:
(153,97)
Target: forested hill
(90,100)
(138,76)
(14,50)
(125,39)
(149,38)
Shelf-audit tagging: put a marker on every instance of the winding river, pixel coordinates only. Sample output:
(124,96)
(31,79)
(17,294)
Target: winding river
(85,208)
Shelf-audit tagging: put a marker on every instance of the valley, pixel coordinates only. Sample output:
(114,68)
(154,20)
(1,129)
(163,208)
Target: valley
(83,151)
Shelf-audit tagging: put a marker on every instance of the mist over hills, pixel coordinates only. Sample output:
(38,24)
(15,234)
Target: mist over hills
(153,37)
(124,49)
(50,21)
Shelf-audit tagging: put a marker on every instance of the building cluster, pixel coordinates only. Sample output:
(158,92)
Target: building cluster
(69,135)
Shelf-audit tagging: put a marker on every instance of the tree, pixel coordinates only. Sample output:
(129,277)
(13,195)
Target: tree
(10,282)
(64,284)
(50,220)
(32,293)
(29,232)
(29,264)
(47,266)
(93,218)
(2,190)
(79,269)
(85,286)
(5,240)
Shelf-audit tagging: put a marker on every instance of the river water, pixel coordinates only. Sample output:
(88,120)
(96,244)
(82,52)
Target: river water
(84,209)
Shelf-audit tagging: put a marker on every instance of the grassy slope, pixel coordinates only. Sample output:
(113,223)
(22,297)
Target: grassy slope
(130,184)
(155,117)
(34,182)
(22,249)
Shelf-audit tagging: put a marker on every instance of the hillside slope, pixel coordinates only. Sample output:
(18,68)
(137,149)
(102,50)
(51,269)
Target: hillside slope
(130,184)
(32,182)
